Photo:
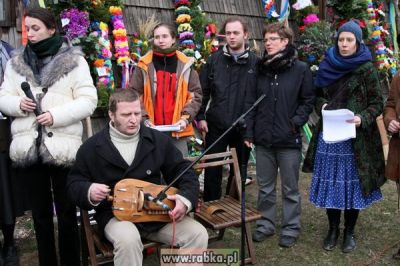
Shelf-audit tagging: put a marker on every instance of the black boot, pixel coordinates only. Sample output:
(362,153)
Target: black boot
(349,242)
(334,231)
(9,252)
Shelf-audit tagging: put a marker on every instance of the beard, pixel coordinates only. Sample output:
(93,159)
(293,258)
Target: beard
(235,47)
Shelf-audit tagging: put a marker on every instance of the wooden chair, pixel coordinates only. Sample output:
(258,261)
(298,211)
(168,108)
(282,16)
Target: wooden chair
(96,250)
(226,212)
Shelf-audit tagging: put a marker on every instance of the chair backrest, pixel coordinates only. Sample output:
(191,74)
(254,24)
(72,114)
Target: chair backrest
(220,159)
(228,211)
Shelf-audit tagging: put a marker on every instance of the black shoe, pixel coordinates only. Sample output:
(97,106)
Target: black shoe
(259,236)
(349,243)
(10,256)
(287,241)
(331,239)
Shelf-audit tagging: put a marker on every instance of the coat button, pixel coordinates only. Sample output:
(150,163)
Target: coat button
(50,134)
(148,172)
(44,90)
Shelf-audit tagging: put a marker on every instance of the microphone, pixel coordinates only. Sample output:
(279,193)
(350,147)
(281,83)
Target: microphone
(27,90)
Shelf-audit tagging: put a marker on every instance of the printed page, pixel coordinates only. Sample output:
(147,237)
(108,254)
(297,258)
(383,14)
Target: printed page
(335,127)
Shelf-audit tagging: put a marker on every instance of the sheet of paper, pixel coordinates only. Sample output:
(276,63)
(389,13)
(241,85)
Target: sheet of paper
(165,128)
(335,127)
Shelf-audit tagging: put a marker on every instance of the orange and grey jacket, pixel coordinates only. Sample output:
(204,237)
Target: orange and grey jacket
(188,94)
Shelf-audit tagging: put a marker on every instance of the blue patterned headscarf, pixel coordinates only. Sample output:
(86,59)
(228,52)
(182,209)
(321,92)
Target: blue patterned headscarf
(334,66)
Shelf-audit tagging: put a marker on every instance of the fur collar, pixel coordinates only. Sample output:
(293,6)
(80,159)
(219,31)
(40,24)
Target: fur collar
(60,65)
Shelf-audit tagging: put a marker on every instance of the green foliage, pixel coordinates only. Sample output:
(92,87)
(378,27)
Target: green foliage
(195,146)
(314,41)
(199,21)
(345,10)
(88,45)
(103,95)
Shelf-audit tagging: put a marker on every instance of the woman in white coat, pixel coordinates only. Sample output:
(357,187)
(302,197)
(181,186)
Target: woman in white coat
(44,145)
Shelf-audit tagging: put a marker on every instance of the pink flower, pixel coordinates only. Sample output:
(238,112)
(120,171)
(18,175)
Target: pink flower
(311,18)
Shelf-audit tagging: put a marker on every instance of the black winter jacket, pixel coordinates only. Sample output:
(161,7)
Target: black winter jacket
(277,120)
(225,83)
(157,161)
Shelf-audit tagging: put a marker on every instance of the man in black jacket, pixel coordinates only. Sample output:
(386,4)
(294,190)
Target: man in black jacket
(225,80)
(127,149)
(274,127)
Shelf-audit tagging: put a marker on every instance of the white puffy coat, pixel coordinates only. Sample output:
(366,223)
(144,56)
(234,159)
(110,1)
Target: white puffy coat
(68,94)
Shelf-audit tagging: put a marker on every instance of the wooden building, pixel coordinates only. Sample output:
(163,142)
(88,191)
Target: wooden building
(249,10)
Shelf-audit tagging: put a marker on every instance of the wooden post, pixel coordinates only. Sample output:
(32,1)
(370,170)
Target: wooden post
(322,9)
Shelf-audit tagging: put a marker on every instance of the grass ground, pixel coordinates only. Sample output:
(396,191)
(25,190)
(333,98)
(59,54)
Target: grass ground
(377,233)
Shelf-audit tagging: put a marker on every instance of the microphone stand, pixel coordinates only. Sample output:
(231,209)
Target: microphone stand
(162,195)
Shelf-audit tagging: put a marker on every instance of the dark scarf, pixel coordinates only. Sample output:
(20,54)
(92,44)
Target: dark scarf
(338,93)
(34,53)
(334,66)
(278,62)
(173,48)
(165,61)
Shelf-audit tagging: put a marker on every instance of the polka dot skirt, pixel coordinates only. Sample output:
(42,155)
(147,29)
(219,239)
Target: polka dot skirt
(335,182)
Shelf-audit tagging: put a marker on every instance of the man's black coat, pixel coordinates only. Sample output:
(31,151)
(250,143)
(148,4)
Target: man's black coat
(157,161)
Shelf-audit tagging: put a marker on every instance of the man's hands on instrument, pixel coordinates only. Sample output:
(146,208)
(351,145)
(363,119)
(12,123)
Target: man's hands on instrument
(180,208)
(98,192)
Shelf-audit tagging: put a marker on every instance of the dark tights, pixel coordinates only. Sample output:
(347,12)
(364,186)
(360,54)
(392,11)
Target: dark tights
(8,233)
(350,217)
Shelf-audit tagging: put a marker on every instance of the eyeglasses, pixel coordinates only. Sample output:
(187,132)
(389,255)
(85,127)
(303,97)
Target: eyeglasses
(272,39)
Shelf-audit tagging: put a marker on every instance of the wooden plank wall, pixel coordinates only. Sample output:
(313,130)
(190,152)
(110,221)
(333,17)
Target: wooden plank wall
(250,10)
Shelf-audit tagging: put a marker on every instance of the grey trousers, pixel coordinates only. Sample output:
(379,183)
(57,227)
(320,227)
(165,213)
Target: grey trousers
(128,247)
(268,161)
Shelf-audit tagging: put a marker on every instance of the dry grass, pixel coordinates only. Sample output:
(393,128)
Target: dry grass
(377,232)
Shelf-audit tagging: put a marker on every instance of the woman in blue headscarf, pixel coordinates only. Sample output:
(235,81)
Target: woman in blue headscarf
(347,174)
